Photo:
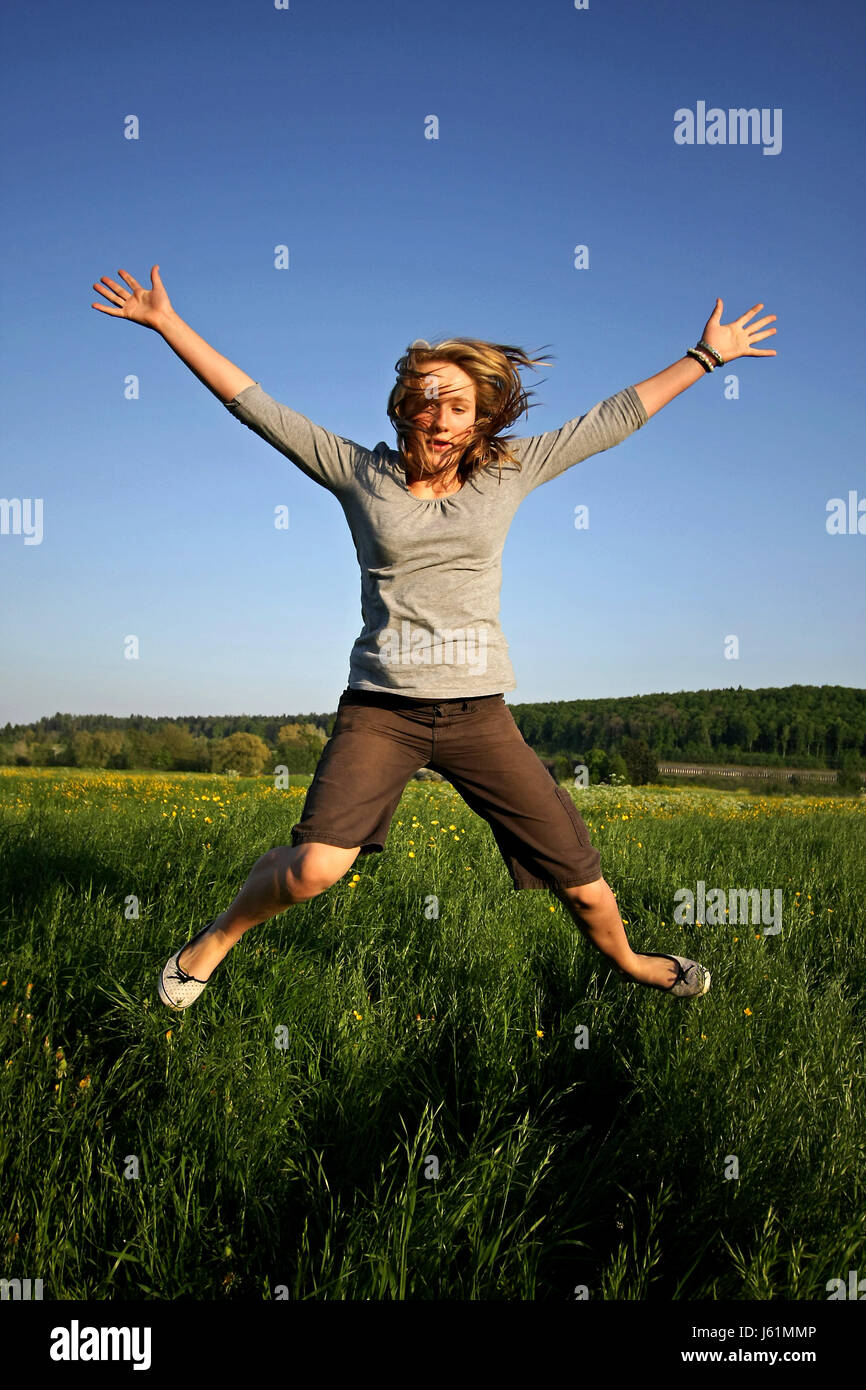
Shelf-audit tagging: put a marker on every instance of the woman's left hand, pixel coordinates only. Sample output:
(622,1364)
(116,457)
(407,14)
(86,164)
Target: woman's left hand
(735,339)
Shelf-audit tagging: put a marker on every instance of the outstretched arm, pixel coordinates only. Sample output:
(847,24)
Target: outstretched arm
(327,458)
(153,309)
(730,340)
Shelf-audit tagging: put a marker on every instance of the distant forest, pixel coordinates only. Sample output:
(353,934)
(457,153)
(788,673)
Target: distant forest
(807,726)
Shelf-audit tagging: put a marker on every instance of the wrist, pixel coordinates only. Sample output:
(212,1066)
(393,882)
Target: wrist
(705,357)
(165,322)
(700,365)
(710,352)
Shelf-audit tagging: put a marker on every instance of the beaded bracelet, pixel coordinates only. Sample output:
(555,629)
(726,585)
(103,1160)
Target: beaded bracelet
(720,361)
(705,362)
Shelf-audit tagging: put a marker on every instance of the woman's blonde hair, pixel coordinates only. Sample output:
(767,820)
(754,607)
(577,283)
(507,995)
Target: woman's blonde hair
(499,400)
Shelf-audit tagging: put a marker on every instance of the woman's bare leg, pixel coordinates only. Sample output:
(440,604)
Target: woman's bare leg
(593,907)
(283,876)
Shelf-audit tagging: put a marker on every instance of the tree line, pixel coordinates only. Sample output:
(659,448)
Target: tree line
(617,739)
(167,745)
(807,725)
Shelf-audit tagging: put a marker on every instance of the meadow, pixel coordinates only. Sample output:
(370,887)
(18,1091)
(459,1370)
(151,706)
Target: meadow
(422,1084)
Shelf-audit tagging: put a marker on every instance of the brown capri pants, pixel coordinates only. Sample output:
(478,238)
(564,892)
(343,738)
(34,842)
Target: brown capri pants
(380,740)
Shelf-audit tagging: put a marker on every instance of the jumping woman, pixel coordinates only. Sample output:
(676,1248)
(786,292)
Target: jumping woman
(428,673)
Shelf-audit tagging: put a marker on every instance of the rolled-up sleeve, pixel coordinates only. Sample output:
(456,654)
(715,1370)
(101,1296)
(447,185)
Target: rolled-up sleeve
(545,456)
(327,458)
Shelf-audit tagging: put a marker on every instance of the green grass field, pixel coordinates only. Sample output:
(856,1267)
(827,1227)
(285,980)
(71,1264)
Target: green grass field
(380,1094)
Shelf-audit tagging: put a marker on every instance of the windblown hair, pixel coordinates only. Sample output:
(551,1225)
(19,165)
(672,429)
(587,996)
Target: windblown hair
(499,400)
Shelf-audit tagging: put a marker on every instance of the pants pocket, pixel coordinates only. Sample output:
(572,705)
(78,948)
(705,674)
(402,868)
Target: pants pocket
(581,831)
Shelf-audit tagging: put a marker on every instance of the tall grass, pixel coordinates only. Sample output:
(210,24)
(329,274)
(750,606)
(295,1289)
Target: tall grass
(380,1095)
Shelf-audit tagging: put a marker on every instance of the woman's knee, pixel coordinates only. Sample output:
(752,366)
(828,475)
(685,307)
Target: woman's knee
(312,867)
(585,895)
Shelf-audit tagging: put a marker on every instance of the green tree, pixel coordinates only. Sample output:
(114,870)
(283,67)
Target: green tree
(641,762)
(84,752)
(21,753)
(183,752)
(596,762)
(246,753)
(617,769)
(141,748)
(299,746)
(563,768)
(848,777)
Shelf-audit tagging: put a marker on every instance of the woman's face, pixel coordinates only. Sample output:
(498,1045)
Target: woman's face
(447,419)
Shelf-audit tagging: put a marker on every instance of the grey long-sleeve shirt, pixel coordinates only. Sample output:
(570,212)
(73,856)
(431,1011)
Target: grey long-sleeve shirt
(431,569)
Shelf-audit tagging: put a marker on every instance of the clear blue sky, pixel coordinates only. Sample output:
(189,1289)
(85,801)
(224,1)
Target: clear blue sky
(305,126)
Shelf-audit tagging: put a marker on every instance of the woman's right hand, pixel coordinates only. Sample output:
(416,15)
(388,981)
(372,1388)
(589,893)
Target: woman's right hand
(148,307)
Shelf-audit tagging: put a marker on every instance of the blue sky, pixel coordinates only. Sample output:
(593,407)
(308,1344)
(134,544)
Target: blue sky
(305,127)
